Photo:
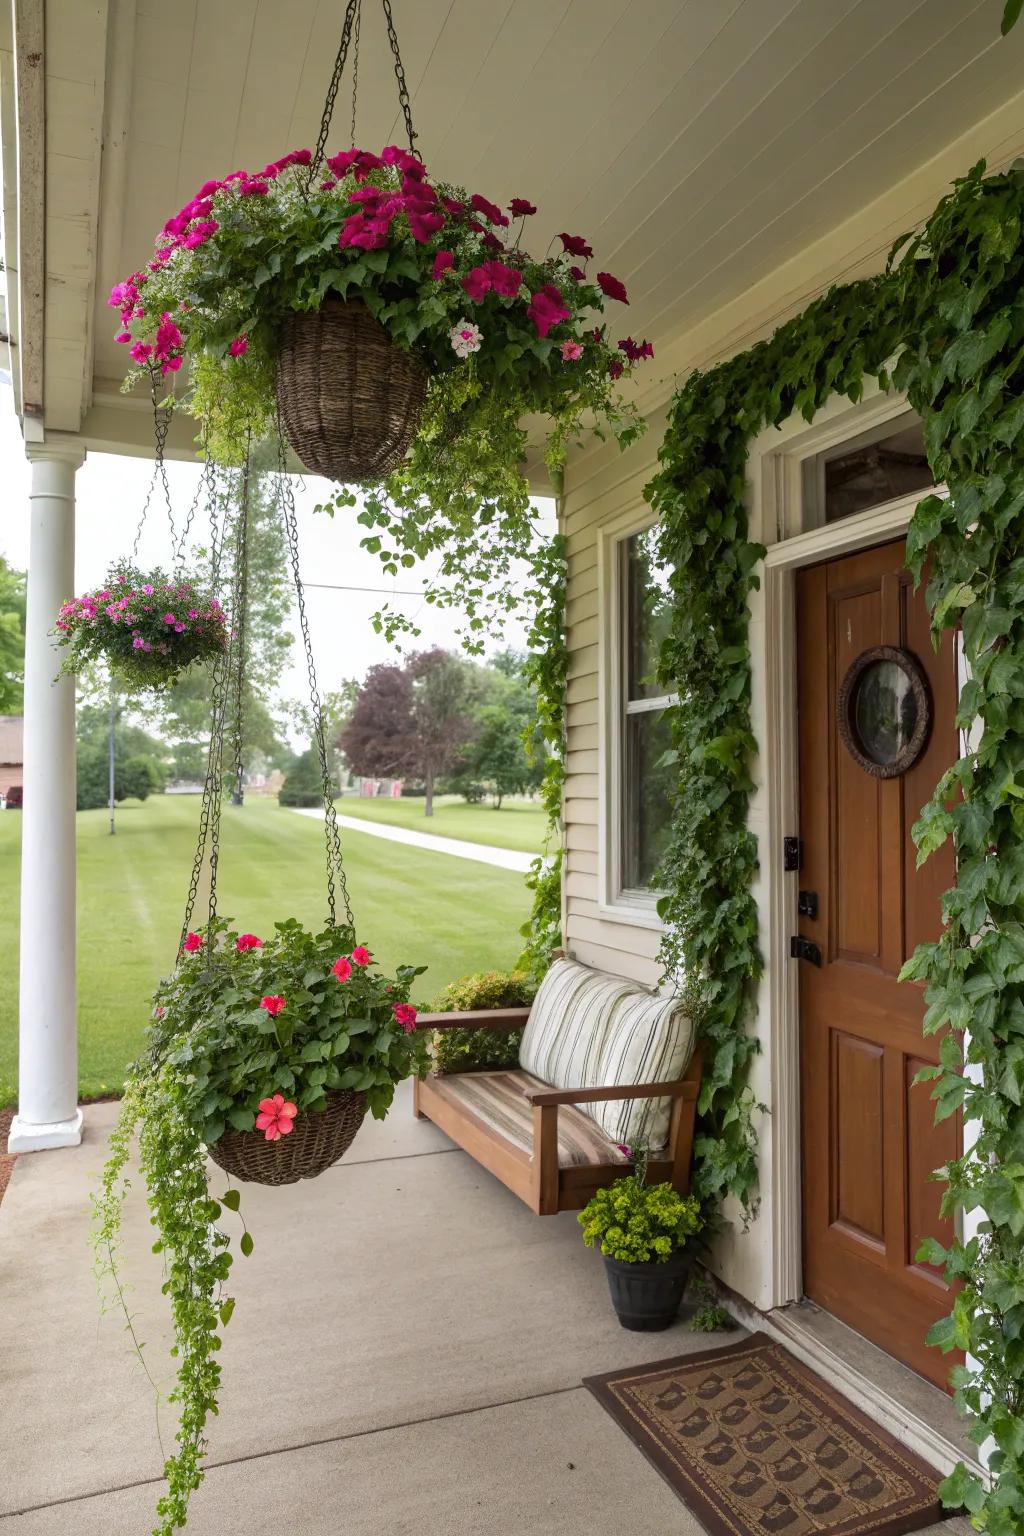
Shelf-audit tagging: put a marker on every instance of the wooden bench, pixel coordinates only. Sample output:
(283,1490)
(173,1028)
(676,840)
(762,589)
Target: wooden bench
(532,1168)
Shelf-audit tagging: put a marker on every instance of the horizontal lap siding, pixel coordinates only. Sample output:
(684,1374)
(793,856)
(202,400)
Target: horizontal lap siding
(601,485)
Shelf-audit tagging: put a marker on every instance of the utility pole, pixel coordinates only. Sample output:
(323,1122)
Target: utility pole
(110,755)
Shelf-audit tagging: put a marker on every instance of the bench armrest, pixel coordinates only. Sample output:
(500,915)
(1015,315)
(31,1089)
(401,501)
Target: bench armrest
(475,1018)
(686,1088)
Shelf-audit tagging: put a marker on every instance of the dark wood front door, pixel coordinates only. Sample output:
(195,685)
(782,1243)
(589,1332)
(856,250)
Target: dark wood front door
(869,1141)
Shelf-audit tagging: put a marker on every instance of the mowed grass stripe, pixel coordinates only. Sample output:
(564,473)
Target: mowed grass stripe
(410,905)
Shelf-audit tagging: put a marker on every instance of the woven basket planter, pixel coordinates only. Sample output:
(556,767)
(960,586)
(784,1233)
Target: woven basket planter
(316,1142)
(350,399)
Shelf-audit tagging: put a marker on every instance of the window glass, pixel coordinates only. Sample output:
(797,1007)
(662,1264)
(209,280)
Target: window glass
(648,784)
(868,474)
(650,615)
(646,734)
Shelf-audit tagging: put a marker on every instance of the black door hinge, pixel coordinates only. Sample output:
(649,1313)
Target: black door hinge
(804,949)
(792,854)
(807,904)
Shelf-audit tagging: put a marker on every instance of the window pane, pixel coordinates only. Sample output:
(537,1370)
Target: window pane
(648,788)
(873,473)
(647,614)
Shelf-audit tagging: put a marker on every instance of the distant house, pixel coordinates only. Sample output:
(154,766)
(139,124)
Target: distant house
(11,752)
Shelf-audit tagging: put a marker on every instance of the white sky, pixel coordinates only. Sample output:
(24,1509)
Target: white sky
(111,489)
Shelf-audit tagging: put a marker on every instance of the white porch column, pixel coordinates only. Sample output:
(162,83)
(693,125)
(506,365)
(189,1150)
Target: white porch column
(48,1113)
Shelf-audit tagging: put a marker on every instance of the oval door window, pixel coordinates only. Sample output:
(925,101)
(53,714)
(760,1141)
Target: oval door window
(884,710)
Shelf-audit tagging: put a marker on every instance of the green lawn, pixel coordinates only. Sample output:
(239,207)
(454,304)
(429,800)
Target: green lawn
(429,909)
(519,824)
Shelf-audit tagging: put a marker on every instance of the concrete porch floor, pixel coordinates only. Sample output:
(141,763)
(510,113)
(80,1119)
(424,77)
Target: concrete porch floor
(406,1356)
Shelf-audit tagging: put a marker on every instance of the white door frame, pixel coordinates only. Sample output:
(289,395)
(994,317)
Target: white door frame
(777,516)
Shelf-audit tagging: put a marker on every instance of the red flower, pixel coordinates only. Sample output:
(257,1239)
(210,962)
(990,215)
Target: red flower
(578,273)
(273,1005)
(518,207)
(275,1117)
(423,226)
(575,245)
(342,968)
(635,350)
(488,209)
(612,287)
(477,284)
(408,164)
(453,205)
(547,308)
(615,369)
(248,941)
(193,942)
(360,955)
(239,346)
(443,261)
(405,1014)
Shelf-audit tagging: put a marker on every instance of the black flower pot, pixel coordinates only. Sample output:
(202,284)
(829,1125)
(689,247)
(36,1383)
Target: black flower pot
(646,1297)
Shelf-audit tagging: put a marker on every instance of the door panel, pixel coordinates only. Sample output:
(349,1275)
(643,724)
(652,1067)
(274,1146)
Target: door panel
(869,1141)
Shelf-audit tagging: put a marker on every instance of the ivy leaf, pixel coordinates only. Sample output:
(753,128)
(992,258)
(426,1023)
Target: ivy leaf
(1011,15)
(231,1199)
(246,1243)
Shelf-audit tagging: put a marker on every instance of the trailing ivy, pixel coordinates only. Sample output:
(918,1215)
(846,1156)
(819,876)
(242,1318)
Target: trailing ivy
(950,308)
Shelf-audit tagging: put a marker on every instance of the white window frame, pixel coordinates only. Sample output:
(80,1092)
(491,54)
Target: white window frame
(624,905)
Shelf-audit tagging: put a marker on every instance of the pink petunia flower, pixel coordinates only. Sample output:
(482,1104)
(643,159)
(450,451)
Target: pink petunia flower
(405,1014)
(273,1004)
(571,350)
(342,968)
(248,941)
(193,941)
(443,262)
(361,955)
(276,1117)
(169,618)
(547,308)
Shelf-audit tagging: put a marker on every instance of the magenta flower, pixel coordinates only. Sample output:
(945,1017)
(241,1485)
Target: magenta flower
(248,941)
(443,262)
(423,226)
(519,207)
(489,210)
(575,245)
(612,287)
(239,346)
(547,308)
(193,941)
(504,280)
(405,1014)
(254,189)
(273,1004)
(361,955)
(635,350)
(571,350)
(169,618)
(342,968)
(477,284)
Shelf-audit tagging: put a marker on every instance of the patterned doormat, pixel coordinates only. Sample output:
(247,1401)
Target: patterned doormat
(756,1445)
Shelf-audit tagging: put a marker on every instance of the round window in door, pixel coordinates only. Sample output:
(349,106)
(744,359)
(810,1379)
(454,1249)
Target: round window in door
(884,710)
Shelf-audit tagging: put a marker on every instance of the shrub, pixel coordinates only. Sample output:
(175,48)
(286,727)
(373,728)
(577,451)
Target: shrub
(303,785)
(638,1222)
(481,1050)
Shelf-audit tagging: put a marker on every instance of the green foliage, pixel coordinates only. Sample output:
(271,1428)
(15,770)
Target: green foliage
(709,1316)
(639,1222)
(1011,15)
(303,785)
(952,308)
(12,639)
(147,627)
(135,778)
(480,1050)
(213,1053)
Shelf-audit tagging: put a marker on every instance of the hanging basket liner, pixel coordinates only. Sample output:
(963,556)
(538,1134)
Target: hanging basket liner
(349,397)
(316,1142)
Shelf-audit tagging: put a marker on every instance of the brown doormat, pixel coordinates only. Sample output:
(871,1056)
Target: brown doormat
(756,1445)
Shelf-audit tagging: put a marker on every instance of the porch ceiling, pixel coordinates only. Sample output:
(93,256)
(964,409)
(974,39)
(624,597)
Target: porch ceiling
(697,146)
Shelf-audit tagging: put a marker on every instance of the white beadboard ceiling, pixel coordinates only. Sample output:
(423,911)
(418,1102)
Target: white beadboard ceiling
(696,143)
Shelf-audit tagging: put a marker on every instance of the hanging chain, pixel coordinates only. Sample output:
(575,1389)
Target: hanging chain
(201,484)
(240,617)
(403,89)
(332,89)
(355,67)
(335,869)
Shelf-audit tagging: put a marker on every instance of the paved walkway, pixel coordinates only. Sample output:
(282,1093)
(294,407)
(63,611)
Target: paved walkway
(480,853)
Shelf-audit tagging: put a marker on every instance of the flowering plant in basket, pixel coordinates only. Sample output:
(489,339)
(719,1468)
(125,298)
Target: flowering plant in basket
(501,332)
(249,1035)
(148,627)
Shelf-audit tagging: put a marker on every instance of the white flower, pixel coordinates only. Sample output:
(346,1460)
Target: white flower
(466,338)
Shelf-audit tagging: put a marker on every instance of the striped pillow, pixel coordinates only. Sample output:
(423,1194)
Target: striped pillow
(589,1030)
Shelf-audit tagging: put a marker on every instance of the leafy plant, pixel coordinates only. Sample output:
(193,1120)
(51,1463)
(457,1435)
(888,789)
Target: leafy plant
(249,1034)
(146,626)
(637,1222)
(709,1316)
(480,1050)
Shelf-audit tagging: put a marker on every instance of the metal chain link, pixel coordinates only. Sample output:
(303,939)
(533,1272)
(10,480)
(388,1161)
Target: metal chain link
(193,509)
(403,89)
(240,618)
(336,877)
(332,89)
(355,67)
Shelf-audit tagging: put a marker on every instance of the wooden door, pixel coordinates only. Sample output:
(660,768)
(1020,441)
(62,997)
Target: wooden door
(869,1142)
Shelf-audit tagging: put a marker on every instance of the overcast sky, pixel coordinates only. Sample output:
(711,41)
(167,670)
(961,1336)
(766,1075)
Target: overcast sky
(111,490)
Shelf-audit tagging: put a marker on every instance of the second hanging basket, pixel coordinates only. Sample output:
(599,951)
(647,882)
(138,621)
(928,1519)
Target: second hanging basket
(350,398)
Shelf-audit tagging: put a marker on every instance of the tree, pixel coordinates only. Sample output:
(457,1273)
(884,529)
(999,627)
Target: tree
(440,725)
(303,785)
(378,737)
(12,639)
(135,778)
(498,756)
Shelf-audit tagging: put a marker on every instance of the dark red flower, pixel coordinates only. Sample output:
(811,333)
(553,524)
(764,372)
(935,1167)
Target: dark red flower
(547,308)
(519,207)
(635,350)
(612,287)
(575,245)
(615,369)
(492,242)
(453,205)
(443,261)
(504,280)
(578,273)
(488,209)
(408,164)
(477,284)
(424,226)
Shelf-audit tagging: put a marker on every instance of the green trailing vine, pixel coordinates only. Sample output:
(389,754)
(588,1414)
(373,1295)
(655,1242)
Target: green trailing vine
(949,309)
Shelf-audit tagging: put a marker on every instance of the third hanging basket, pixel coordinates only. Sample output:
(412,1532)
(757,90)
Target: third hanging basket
(316,1142)
(349,397)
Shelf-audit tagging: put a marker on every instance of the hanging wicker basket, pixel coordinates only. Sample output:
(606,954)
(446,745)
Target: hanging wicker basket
(349,397)
(316,1142)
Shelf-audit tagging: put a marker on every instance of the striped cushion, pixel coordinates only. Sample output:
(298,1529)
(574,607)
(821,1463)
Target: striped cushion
(496,1098)
(589,1030)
